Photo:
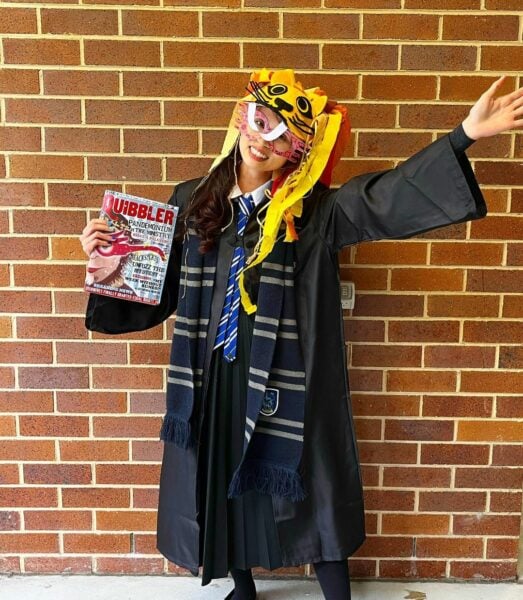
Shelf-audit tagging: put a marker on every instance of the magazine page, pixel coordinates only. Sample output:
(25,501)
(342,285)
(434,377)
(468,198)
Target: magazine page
(134,266)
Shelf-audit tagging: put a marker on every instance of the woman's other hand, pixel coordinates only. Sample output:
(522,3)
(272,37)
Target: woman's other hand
(95,233)
(490,115)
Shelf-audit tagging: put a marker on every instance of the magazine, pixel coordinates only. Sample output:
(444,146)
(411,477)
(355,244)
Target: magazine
(134,266)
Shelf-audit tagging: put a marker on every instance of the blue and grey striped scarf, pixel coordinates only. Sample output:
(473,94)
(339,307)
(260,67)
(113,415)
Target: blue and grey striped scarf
(276,390)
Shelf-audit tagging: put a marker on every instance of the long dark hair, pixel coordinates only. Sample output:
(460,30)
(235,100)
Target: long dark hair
(208,210)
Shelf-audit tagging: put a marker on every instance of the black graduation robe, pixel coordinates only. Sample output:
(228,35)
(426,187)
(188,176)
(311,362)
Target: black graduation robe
(434,188)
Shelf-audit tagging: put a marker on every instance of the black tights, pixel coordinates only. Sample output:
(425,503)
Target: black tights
(333,577)
(244,588)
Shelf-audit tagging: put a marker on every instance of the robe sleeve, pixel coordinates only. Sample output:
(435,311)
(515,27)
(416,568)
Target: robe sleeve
(434,188)
(113,315)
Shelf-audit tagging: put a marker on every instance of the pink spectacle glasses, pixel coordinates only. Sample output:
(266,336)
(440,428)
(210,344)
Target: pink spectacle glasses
(277,137)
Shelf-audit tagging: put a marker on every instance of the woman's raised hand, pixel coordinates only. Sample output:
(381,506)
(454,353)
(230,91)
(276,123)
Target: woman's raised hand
(490,115)
(95,233)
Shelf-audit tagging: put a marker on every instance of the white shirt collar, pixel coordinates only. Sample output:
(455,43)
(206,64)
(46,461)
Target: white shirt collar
(257,195)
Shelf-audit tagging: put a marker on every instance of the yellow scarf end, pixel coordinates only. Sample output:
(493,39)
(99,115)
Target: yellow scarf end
(248,306)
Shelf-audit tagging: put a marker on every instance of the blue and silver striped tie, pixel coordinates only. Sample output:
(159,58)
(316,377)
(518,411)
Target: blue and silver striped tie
(228,326)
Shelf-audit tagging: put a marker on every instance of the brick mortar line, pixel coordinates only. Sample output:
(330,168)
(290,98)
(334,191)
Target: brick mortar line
(237,70)
(379,392)
(110,415)
(123,69)
(121,93)
(119,20)
(501,305)
(461,341)
(162,114)
(92,463)
(398,295)
(200,23)
(125,126)
(430,394)
(440,26)
(163,168)
(7,163)
(277,576)
(83,111)
(385,369)
(137,390)
(489,501)
(38,21)
(423,418)
(360,87)
(418,462)
(479,55)
(200,141)
(379,533)
(43,149)
(513,143)
(156,366)
(200,76)
(516,43)
(428,344)
(121,141)
(81,48)
(388,282)
(431,318)
(108,7)
(17,428)
(241,55)
(424,466)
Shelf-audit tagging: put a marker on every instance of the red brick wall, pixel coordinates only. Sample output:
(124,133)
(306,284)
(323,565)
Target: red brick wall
(136,96)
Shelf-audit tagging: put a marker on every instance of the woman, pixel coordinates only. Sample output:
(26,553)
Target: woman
(260,464)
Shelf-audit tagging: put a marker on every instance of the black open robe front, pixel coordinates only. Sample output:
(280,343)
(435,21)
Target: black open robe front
(434,188)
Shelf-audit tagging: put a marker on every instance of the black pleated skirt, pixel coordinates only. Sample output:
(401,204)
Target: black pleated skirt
(240,532)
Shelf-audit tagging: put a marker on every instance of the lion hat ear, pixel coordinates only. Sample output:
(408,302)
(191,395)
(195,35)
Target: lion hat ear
(324,127)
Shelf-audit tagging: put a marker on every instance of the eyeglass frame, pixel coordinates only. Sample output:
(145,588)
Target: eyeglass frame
(247,113)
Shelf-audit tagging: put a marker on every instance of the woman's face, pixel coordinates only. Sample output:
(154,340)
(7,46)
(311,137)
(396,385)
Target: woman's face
(101,267)
(256,152)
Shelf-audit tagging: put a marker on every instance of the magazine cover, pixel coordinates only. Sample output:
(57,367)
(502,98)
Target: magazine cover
(134,266)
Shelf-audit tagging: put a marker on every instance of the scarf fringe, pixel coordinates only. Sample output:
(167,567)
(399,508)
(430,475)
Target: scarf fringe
(175,430)
(267,479)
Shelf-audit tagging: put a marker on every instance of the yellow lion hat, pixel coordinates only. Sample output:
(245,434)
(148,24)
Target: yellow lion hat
(309,115)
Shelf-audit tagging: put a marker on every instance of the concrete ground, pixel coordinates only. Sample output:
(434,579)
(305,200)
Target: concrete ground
(137,587)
